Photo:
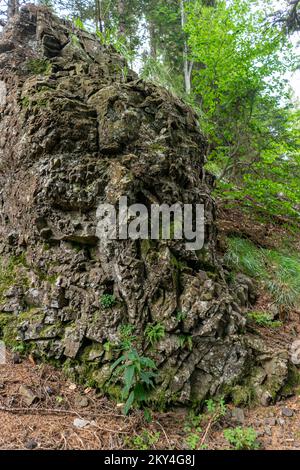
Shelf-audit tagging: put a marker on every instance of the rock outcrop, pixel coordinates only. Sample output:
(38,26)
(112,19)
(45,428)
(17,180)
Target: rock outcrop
(78,129)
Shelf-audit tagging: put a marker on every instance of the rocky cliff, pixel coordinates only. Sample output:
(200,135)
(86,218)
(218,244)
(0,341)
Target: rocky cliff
(78,129)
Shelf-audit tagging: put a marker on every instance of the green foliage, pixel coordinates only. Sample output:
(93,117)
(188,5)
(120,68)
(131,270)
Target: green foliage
(154,333)
(127,336)
(137,374)
(110,37)
(264,319)
(245,102)
(144,441)
(107,301)
(278,271)
(186,341)
(217,408)
(193,430)
(193,440)
(39,66)
(242,438)
(180,316)
(108,346)
(78,23)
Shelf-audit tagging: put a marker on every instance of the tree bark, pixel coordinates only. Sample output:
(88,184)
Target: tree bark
(122,19)
(153,46)
(187,65)
(13,7)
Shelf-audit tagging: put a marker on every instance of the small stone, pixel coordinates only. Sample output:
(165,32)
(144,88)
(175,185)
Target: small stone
(238,415)
(287,412)
(31,444)
(16,358)
(268,431)
(281,421)
(49,390)
(27,394)
(265,399)
(81,423)
(81,402)
(270,421)
(72,387)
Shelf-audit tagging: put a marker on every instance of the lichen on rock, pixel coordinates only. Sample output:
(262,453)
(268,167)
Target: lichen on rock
(76,132)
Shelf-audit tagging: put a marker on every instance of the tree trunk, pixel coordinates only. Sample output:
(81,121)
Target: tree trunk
(153,46)
(99,15)
(122,20)
(187,65)
(12,8)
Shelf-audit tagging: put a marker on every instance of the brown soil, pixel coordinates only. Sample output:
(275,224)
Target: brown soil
(49,422)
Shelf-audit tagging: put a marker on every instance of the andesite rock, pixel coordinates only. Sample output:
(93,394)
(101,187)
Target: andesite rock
(78,129)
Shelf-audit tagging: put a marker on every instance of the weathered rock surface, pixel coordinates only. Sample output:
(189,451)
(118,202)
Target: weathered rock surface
(77,129)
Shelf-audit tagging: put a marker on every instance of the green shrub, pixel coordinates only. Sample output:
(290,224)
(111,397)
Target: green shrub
(277,271)
(143,441)
(242,438)
(264,319)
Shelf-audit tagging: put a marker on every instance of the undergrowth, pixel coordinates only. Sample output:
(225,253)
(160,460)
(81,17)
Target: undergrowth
(279,272)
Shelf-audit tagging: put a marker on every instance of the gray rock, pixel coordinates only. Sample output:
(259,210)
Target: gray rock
(238,415)
(28,395)
(81,401)
(31,444)
(287,412)
(270,421)
(81,423)
(268,431)
(78,135)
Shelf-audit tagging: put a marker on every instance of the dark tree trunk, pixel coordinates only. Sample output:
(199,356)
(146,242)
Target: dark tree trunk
(122,20)
(12,8)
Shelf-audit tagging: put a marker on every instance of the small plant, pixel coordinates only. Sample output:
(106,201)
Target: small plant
(127,336)
(137,374)
(154,333)
(144,441)
(186,341)
(193,440)
(264,319)
(242,438)
(216,408)
(19,348)
(180,316)
(38,66)
(193,430)
(108,346)
(107,301)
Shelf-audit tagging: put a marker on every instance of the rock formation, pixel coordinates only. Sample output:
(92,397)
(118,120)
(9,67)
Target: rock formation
(78,129)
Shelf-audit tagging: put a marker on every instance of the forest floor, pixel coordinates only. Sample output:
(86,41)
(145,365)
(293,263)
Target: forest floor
(41,409)
(64,416)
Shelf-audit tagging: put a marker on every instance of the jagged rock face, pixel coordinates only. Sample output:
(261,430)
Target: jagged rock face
(79,129)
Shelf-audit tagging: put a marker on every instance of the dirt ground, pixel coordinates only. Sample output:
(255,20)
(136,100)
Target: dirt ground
(59,406)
